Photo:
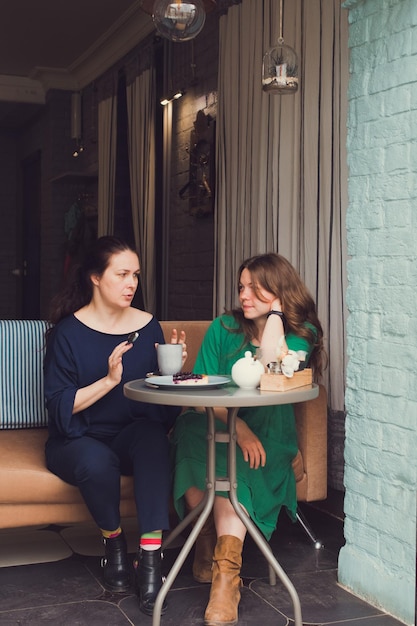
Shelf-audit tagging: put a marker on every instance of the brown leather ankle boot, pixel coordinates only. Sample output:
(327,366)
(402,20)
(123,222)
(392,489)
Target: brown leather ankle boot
(204,549)
(222,609)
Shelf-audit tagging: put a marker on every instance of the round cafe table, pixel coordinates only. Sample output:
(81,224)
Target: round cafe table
(232,398)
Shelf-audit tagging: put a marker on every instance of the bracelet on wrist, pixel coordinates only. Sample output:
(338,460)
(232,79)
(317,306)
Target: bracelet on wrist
(281,315)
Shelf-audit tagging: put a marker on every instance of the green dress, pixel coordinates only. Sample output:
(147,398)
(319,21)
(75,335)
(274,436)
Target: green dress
(262,491)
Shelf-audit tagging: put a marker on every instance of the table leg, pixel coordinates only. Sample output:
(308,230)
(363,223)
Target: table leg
(204,509)
(251,527)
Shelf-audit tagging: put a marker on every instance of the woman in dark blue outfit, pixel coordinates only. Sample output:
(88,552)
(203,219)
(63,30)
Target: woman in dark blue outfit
(95,433)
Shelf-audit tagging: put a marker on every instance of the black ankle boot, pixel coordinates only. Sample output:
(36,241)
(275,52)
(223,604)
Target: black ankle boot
(116,570)
(148,579)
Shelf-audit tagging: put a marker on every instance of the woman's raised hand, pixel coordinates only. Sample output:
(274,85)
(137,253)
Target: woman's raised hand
(115,362)
(180,339)
(86,396)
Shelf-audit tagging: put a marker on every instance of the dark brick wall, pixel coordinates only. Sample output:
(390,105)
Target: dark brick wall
(191,253)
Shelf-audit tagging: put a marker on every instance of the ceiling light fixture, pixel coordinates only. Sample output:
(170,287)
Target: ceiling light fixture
(178,20)
(280,66)
(78,150)
(176,96)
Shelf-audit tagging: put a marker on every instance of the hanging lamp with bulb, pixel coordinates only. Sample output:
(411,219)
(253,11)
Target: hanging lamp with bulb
(280,66)
(179,20)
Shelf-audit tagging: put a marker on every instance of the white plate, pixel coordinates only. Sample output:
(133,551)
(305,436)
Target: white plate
(166,382)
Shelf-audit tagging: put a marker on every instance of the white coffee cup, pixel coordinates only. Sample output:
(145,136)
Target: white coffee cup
(169,358)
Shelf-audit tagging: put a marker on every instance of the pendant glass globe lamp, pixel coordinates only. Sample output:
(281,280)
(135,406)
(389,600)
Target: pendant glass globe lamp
(178,20)
(280,67)
(280,70)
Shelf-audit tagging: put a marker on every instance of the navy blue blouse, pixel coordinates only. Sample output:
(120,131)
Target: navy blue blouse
(77,356)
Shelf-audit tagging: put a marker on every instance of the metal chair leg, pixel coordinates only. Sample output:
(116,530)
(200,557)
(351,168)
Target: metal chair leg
(307,528)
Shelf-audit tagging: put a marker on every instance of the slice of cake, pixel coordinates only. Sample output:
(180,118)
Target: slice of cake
(188,378)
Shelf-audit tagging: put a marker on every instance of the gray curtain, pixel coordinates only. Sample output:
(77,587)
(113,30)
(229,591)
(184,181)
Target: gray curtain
(107,133)
(141,144)
(281,167)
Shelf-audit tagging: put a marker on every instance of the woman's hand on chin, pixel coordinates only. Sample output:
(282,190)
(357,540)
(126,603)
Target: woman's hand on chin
(276,305)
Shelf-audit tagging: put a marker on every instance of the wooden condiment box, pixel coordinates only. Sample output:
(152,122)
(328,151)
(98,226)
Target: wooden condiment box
(279,382)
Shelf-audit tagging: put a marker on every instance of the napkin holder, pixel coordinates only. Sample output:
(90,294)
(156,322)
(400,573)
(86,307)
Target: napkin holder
(279,382)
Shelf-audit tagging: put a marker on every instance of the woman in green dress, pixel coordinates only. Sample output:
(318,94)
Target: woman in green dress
(276,315)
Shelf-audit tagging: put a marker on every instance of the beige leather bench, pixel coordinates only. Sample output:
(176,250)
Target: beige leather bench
(31,495)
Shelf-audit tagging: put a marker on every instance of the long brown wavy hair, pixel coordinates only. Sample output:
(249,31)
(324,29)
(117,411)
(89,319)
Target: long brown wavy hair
(273,273)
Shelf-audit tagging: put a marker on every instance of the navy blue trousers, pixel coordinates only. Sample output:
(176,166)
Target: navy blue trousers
(140,450)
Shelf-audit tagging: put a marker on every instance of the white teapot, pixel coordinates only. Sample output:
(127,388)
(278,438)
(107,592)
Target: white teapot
(247,372)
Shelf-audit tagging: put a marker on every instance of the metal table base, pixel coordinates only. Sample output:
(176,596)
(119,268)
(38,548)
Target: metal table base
(227,483)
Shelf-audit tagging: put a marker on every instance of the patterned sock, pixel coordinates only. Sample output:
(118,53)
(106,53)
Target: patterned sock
(111,534)
(151,541)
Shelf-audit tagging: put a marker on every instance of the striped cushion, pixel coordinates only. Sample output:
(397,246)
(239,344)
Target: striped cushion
(22,348)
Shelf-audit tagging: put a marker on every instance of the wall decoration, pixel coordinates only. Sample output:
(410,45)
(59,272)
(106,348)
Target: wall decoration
(199,190)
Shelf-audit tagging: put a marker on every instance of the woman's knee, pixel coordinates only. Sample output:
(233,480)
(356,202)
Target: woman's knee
(193,497)
(97,465)
(83,460)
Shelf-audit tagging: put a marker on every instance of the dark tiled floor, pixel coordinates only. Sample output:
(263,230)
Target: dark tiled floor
(68,592)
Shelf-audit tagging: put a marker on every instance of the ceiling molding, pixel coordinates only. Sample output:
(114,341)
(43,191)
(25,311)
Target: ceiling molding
(126,33)
(55,78)
(21,89)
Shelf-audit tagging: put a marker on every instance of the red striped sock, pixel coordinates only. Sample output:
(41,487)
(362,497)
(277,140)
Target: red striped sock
(151,541)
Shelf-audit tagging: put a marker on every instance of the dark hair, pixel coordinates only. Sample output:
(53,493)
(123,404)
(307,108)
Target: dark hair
(78,288)
(272,272)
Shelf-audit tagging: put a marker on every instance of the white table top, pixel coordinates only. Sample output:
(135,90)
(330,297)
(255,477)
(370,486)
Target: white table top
(229,396)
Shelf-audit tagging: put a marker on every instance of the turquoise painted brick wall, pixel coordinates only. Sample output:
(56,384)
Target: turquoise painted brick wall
(378,561)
